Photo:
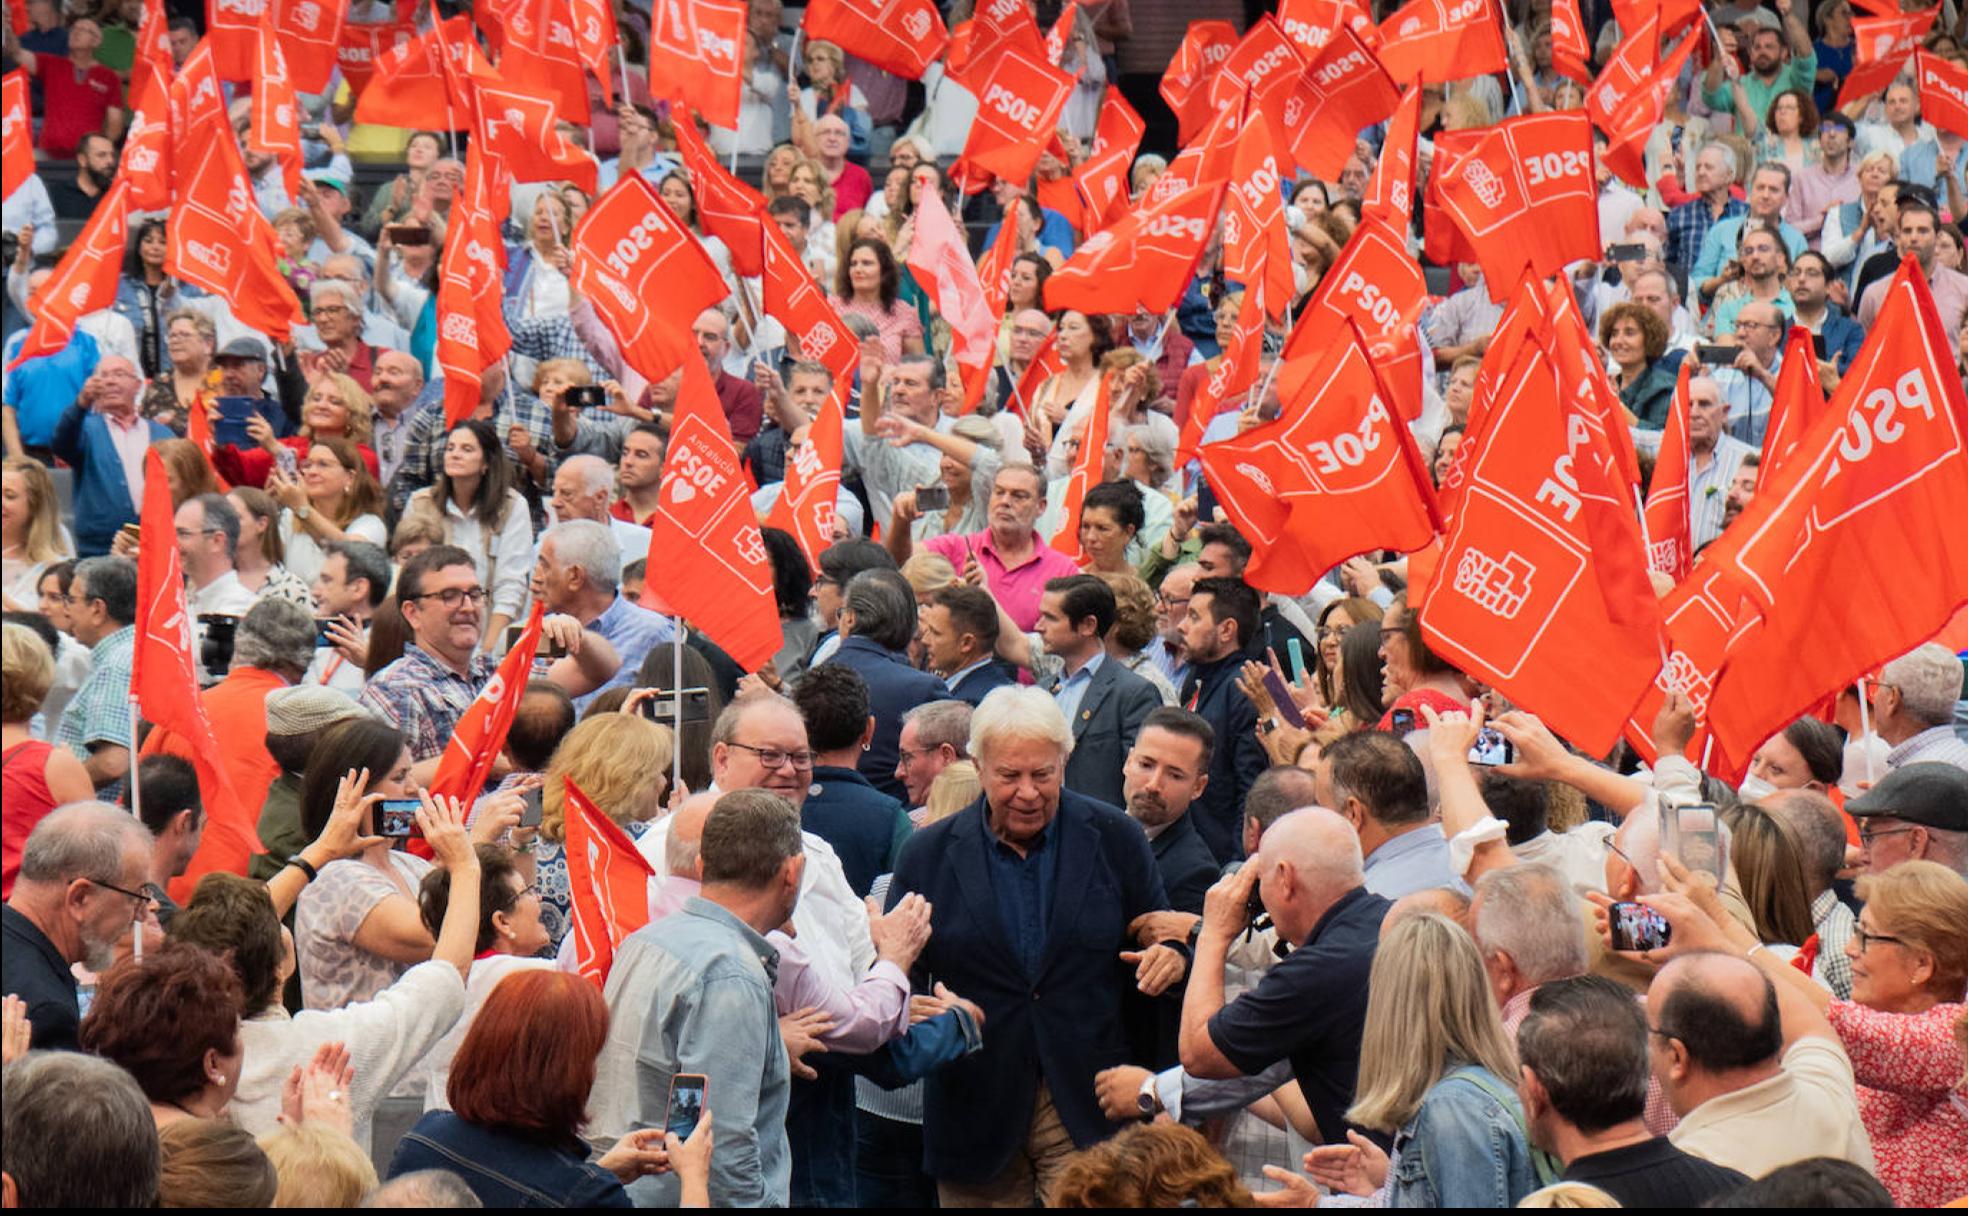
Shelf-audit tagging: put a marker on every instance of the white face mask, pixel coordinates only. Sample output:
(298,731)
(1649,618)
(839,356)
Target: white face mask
(1754,788)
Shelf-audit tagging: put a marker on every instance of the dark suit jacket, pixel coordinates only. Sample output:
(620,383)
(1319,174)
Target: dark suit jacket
(894,687)
(1188,868)
(1062,1026)
(1109,718)
(1211,690)
(865,826)
(977,685)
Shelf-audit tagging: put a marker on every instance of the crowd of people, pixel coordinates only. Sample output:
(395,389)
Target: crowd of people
(1095,877)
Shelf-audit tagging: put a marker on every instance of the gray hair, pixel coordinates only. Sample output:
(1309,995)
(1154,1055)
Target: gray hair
(937,377)
(1531,913)
(113,580)
(1730,168)
(223,516)
(1820,829)
(941,722)
(80,840)
(748,835)
(324,290)
(1155,446)
(594,472)
(589,545)
(424,1189)
(861,327)
(1929,680)
(78,1133)
(884,608)
(1015,712)
(276,635)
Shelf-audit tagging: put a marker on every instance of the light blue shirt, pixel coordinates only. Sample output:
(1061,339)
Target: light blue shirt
(1072,690)
(633,631)
(1413,861)
(1749,401)
(30,205)
(1720,245)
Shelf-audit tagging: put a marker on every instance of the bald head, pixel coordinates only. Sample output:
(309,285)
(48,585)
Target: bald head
(1717,1015)
(1309,859)
(1440,900)
(683,849)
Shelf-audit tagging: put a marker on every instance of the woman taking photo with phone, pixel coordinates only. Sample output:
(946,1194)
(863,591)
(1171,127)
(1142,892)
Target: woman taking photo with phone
(336,499)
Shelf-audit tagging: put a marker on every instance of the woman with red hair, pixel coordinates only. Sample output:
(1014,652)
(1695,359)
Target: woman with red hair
(519,1097)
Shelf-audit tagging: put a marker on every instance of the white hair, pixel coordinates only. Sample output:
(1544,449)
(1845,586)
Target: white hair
(594,472)
(1531,913)
(589,545)
(1929,680)
(329,289)
(1018,713)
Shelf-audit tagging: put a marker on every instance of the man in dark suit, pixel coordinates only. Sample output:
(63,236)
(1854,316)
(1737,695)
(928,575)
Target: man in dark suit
(1166,770)
(959,631)
(1221,621)
(1033,888)
(866,827)
(879,612)
(1103,701)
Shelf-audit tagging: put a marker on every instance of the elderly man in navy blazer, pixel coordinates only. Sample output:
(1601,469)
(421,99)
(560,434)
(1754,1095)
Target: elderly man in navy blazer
(1033,889)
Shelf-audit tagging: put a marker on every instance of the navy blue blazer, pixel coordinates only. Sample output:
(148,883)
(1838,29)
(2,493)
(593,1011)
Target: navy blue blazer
(1110,715)
(1238,760)
(894,688)
(865,826)
(1063,1026)
(978,683)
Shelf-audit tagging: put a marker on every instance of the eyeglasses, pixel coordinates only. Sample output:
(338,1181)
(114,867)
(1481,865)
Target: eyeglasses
(143,898)
(1868,833)
(451,597)
(192,533)
(333,310)
(1331,631)
(1866,939)
(1618,852)
(772,757)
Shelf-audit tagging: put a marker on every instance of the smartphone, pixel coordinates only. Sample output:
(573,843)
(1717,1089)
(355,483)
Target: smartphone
(283,459)
(585,396)
(663,708)
(1819,348)
(1287,708)
(686,1106)
(1637,927)
(133,531)
(1491,748)
(396,818)
(230,429)
(321,639)
(552,649)
(408,234)
(1717,355)
(1404,721)
(535,808)
(933,498)
(1635,252)
(1689,833)
(1295,655)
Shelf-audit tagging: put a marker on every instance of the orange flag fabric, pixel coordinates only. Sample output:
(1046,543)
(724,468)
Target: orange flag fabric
(363,45)
(1702,614)
(607,885)
(164,683)
(1628,98)
(276,123)
(940,262)
(1344,90)
(1260,73)
(408,86)
(1017,113)
(1147,260)
(1571,51)
(994,268)
(84,280)
(1669,547)
(1235,372)
(707,560)
(976,44)
(1046,363)
(1375,286)
(1390,192)
(595,37)
(1337,474)
(1943,92)
(1525,195)
(1086,474)
(646,275)
(1311,24)
(471,325)
(1256,248)
(480,735)
(1542,590)
(1881,47)
(518,125)
(1442,40)
(231,32)
(806,503)
(899,36)
(790,295)
(698,45)
(1061,32)
(310,32)
(1185,83)
(534,40)
(1796,404)
(16,134)
(727,208)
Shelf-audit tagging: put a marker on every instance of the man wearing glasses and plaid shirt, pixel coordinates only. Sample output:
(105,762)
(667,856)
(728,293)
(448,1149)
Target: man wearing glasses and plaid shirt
(424,693)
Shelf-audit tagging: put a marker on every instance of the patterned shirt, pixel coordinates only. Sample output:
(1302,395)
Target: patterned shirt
(424,699)
(1708,489)
(1833,921)
(1911,1096)
(1688,225)
(99,712)
(1935,745)
(334,970)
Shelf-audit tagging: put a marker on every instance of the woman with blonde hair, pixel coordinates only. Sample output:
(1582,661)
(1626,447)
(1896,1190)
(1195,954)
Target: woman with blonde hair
(1437,1073)
(1769,863)
(335,405)
(318,1167)
(1568,1195)
(213,1163)
(30,529)
(950,791)
(191,340)
(621,762)
(336,499)
(776,180)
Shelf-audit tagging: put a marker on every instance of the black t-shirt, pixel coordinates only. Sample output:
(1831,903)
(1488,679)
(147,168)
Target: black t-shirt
(1655,1174)
(33,970)
(1312,1008)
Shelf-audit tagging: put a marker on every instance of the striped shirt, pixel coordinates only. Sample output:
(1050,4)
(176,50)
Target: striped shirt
(1708,489)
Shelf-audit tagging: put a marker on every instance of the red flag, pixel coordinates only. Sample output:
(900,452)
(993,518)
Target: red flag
(1344,91)
(85,279)
(1796,404)
(1882,46)
(607,884)
(1205,162)
(1017,113)
(471,325)
(1523,317)
(232,30)
(699,45)
(164,683)
(1443,240)
(1943,92)
(1103,178)
(1442,40)
(976,44)
(1256,247)
(789,294)
(994,268)
(151,64)
(16,134)
(409,86)
(706,558)
(1542,593)
(1526,195)
(1088,466)
(1571,51)
(1390,192)
(1310,24)
(534,40)
(1046,362)
(1628,99)
(595,35)
(1185,83)
(1583,378)
(1702,614)
(1235,372)
(218,239)
(727,208)
(806,503)
(518,124)
(1061,32)
(362,45)
(146,161)
(1377,287)
(1670,549)
(310,32)
(276,123)
(1263,67)
(1872,485)
(1337,474)
(480,735)
(647,277)
(940,263)
(899,36)
(1147,260)
(1672,16)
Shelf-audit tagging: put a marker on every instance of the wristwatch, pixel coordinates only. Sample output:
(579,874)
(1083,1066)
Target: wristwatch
(1148,1101)
(302,512)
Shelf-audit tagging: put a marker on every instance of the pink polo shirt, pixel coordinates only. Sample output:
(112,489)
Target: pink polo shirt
(1017,588)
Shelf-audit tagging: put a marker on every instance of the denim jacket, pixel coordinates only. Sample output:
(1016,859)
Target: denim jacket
(1463,1149)
(506,1169)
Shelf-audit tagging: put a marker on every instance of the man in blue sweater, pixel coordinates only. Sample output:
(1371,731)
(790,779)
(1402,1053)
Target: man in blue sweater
(103,437)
